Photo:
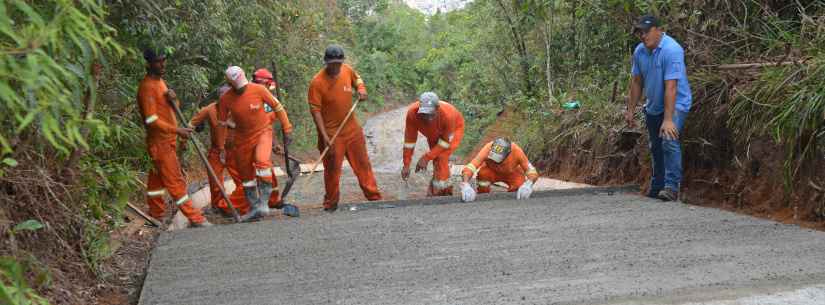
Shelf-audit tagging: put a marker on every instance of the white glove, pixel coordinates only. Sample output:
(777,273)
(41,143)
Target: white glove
(525,190)
(468,194)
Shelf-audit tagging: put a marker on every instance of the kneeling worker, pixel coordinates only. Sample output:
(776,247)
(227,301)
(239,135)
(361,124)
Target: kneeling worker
(499,161)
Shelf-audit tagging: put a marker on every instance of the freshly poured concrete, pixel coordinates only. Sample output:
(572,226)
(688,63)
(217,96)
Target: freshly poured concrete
(567,247)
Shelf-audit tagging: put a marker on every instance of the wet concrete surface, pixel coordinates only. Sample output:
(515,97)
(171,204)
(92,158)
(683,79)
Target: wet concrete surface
(597,246)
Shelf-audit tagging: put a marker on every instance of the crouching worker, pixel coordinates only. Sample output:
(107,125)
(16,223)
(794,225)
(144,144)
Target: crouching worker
(443,126)
(499,161)
(252,137)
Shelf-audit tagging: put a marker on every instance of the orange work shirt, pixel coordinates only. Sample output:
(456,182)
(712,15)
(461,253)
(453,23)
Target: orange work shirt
(158,114)
(332,97)
(209,114)
(248,112)
(446,131)
(515,164)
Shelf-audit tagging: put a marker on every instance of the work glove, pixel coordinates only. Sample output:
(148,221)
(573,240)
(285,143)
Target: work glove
(525,190)
(468,194)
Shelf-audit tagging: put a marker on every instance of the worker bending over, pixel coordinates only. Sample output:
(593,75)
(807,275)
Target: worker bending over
(162,131)
(499,161)
(216,156)
(330,100)
(443,126)
(252,137)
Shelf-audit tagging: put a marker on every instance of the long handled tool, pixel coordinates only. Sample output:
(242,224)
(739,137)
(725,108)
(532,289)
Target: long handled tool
(332,140)
(288,209)
(148,218)
(209,168)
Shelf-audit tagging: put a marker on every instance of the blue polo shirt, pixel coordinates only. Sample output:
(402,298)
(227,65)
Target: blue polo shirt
(666,62)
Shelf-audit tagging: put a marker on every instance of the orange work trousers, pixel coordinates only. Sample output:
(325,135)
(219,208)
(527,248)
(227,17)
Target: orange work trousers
(252,157)
(486,177)
(166,177)
(238,197)
(354,149)
(214,158)
(440,183)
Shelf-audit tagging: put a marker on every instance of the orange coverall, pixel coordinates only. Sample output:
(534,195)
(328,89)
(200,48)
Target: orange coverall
(443,134)
(161,141)
(511,171)
(252,135)
(332,98)
(238,198)
(217,133)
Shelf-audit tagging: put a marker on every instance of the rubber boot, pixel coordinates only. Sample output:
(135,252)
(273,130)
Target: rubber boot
(253,198)
(265,189)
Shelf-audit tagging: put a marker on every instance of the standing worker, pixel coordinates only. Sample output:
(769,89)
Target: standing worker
(443,126)
(499,161)
(162,131)
(330,100)
(252,137)
(659,69)
(264,78)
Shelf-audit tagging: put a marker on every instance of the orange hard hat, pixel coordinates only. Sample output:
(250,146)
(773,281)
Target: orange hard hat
(264,77)
(262,74)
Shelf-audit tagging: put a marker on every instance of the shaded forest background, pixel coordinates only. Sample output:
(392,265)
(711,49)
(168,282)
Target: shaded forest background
(72,147)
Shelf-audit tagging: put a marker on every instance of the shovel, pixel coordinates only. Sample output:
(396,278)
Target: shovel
(292,166)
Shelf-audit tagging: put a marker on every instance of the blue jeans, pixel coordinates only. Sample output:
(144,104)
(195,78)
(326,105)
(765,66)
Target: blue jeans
(667,154)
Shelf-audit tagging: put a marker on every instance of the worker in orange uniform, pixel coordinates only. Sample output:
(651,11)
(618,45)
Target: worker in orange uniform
(264,77)
(330,99)
(499,161)
(252,137)
(162,131)
(237,197)
(217,150)
(443,126)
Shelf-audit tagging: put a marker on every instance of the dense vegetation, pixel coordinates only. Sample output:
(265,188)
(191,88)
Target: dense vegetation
(71,143)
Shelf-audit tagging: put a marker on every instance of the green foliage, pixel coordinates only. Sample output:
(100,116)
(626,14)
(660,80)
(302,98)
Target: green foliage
(390,44)
(14,287)
(47,50)
(28,225)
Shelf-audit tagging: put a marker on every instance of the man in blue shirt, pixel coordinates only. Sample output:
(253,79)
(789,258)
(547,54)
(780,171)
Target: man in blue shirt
(659,69)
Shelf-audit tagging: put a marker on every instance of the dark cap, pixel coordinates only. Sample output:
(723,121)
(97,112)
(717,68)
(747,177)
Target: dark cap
(645,23)
(334,54)
(151,55)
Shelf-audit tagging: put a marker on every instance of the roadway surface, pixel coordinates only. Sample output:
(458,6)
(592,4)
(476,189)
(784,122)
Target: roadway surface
(564,247)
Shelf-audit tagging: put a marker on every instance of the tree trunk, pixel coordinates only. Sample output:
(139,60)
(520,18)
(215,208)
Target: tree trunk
(521,47)
(548,38)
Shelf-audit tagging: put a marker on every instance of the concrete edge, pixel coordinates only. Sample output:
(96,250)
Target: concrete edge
(602,190)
